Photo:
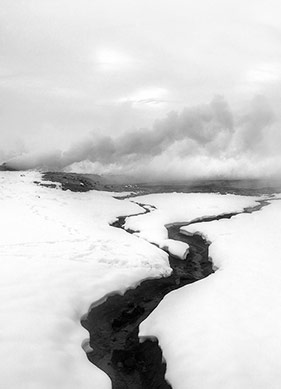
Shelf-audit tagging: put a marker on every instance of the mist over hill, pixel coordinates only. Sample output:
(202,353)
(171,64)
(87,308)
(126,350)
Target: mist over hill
(206,141)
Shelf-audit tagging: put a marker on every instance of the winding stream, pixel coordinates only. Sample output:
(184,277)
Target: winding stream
(114,324)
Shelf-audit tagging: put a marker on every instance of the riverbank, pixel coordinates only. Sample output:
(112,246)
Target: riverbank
(113,325)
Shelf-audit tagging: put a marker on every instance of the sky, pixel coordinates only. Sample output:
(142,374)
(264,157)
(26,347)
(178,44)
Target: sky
(176,89)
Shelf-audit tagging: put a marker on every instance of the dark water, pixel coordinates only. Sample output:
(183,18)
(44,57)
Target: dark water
(114,325)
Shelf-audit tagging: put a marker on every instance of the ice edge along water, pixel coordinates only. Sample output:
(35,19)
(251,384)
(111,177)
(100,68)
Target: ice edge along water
(58,255)
(231,320)
(113,325)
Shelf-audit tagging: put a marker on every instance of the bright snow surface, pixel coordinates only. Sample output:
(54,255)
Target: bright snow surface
(58,255)
(223,332)
(181,207)
(175,248)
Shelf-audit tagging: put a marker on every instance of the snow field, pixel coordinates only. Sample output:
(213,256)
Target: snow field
(223,332)
(58,255)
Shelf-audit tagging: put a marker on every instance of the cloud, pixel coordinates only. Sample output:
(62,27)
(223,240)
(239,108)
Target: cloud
(251,126)
(204,140)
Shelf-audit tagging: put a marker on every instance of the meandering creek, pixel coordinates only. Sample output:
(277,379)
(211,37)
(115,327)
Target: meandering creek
(114,324)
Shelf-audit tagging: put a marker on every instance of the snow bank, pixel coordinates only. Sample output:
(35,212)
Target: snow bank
(223,332)
(181,207)
(57,256)
(175,248)
(193,229)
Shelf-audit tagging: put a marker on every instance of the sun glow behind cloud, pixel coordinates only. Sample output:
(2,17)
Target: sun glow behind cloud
(109,59)
(115,67)
(264,73)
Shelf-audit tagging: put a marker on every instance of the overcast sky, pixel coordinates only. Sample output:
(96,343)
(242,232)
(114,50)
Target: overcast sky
(99,73)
